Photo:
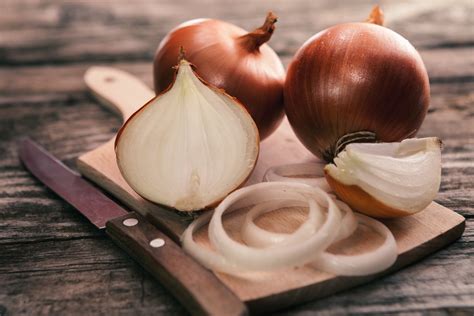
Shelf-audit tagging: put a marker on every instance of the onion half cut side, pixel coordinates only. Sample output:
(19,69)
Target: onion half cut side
(387,179)
(328,221)
(189,146)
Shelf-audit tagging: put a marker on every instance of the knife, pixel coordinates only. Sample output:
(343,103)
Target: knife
(197,288)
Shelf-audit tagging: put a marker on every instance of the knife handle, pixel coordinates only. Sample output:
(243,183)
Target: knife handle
(197,288)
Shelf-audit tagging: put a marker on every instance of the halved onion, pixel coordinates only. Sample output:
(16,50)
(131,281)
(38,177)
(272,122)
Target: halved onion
(387,179)
(188,147)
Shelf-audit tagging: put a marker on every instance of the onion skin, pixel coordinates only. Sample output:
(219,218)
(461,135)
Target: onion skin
(230,58)
(361,201)
(355,77)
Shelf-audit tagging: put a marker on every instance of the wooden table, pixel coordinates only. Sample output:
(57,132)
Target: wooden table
(52,261)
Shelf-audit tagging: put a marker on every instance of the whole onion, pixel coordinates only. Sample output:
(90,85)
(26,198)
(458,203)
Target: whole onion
(355,82)
(232,59)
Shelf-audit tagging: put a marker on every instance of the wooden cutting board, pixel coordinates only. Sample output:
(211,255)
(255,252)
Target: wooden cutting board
(417,235)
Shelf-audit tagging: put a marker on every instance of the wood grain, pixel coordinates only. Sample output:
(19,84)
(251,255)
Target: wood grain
(53,262)
(57,35)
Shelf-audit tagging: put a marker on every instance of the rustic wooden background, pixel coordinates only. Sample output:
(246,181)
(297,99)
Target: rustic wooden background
(52,261)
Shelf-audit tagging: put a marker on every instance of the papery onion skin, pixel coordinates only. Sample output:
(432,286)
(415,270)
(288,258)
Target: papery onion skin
(232,59)
(363,202)
(355,77)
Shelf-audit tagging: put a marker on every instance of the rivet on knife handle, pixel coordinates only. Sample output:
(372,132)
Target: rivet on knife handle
(194,286)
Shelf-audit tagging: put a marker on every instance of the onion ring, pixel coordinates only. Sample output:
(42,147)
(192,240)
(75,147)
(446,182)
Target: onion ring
(266,250)
(362,264)
(207,257)
(290,173)
(251,258)
(255,236)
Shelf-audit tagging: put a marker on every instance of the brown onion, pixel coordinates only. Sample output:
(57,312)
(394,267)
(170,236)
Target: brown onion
(355,82)
(232,59)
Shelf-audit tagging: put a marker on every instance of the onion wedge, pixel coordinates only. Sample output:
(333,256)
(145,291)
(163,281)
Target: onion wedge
(387,179)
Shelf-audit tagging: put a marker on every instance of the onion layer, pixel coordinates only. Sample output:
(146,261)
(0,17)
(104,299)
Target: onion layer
(310,173)
(361,264)
(267,250)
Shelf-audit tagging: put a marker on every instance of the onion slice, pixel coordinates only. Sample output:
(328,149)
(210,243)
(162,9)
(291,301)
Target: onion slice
(311,173)
(387,179)
(265,251)
(251,258)
(207,257)
(362,264)
(255,236)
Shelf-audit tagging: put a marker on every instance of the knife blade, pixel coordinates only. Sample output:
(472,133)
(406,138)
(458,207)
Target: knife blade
(197,288)
(69,185)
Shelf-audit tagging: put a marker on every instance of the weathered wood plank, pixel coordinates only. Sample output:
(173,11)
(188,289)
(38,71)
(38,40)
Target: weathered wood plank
(102,281)
(443,65)
(79,31)
(108,281)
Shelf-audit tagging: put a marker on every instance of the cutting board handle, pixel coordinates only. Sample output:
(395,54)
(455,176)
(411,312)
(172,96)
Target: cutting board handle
(197,288)
(117,89)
